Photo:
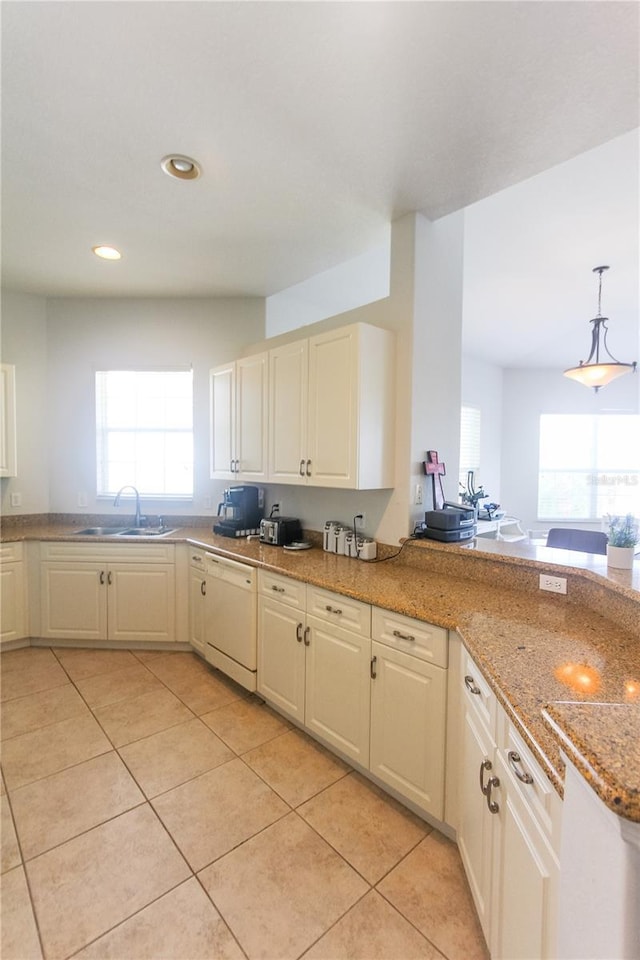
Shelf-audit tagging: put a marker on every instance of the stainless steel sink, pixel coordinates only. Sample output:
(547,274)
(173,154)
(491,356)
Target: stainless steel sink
(146,532)
(126,532)
(99,532)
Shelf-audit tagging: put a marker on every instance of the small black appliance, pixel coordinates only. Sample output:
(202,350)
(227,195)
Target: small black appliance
(280,531)
(240,512)
(453,524)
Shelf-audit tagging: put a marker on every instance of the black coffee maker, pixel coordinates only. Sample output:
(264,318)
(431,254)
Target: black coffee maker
(240,512)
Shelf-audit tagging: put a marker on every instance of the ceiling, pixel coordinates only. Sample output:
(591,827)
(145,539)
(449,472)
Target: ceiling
(315,124)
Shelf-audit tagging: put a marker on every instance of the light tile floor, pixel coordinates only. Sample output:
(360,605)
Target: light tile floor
(152,809)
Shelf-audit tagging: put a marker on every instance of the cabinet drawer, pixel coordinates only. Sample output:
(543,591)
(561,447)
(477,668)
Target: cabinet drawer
(284,589)
(342,611)
(11,552)
(102,552)
(529,780)
(423,640)
(478,694)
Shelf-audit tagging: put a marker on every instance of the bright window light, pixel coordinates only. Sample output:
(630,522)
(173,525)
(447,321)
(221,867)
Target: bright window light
(144,432)
(589,466)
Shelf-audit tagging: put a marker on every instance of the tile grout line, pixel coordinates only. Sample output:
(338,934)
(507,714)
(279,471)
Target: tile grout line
(23,865)
(192,873)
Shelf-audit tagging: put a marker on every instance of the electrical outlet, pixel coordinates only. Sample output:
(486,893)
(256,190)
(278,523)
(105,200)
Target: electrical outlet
(207,503)
(553,584)
(418,497)
(82,500)
(16,499)
(362,522)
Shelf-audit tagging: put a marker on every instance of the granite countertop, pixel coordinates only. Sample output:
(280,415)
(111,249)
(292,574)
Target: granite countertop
(568,677)
(603,741)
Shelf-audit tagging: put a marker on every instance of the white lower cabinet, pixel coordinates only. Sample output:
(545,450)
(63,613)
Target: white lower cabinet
(525,879)
(337,687)
(381,703)
(508,830)
(314,672)
(408,707)
(107,599)
(197,600)
(13,618)
(281,656)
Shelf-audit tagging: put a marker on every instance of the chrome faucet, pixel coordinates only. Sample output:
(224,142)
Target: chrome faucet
(116,502)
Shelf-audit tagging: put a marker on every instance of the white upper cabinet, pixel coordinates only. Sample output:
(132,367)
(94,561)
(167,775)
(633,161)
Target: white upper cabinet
(331,409)
(238,394)
(8,456)
(288,392)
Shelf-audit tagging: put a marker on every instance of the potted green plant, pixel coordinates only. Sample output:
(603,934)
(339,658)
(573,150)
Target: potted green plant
(623,535)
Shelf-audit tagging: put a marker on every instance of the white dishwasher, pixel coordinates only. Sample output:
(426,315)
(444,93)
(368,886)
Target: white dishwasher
(231,617)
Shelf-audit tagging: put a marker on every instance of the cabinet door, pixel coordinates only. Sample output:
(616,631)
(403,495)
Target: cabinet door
(12,607)
(338,688)
(288,390)
(223,421)
(281,657)
(251,417)
(333,409)
(73,601)
(8,449)
(408,717)
(525,875)
(142,598)
(475,831)
(197,607)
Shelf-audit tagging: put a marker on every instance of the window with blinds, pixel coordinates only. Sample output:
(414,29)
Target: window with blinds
(144,432)
(469,442)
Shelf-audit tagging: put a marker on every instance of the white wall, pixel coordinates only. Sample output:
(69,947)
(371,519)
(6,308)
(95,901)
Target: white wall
(24,343)
(482,388)
(89,334)
(529,393)
(437,353)
(349,285)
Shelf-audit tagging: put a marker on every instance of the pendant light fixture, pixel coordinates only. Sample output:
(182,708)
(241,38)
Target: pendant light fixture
(601,367)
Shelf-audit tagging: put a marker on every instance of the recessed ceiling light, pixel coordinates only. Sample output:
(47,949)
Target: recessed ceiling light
(183,168)
(106,252)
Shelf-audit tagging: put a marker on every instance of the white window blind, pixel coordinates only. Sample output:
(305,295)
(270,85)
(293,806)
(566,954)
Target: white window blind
(469,442)
(144,432)
(589,466)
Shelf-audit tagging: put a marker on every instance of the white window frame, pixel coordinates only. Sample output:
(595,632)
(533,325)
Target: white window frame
(139,429)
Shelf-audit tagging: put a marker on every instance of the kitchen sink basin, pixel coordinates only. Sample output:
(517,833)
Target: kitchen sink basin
(145,532)
(127,532)
(99,532)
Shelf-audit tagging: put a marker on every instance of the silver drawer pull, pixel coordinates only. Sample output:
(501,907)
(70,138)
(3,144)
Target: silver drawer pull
(403,636)
(492,804)
(471,686)
(522,775)
(331,609)
(277,589)
(485,765)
